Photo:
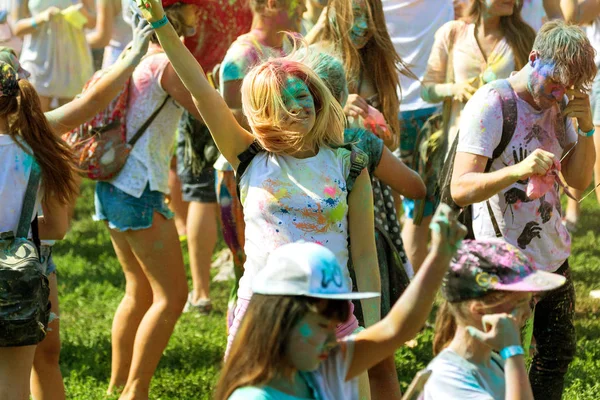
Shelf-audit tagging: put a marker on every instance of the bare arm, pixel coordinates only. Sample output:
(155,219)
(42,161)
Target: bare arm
(410,312)
(361,227)
(54,224)
(106,11)
(399,177)
(558,9)
(84,108)
(24,23)
(230,137)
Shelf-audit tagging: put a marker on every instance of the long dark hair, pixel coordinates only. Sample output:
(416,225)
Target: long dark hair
(258,352)
(27,122)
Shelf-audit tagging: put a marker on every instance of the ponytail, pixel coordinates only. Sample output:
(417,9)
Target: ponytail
(445,328)
(54,157)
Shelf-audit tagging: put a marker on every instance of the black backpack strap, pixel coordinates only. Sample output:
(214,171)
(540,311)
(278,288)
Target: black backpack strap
(29,199)
(359,160)
(508,100)
(246,158)
(146,124)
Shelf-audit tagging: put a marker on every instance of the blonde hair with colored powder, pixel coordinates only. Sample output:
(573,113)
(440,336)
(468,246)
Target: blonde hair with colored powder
(568,49)
(263,104)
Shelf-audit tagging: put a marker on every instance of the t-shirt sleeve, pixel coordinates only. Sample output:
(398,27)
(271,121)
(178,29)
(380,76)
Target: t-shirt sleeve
(250,393)
(450,383)
(481,123)
(237,62)
(368,142)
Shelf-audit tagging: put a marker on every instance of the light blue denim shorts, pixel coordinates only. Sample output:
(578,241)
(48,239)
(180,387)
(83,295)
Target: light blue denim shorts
(125,212)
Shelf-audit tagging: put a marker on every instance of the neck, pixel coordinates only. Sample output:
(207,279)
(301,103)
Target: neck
(470,349)
(304,153)
(267,32)
(313,11)
(489,25)
(520,84)
(287,384)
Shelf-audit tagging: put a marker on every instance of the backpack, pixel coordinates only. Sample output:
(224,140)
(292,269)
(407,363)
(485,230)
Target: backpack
(358,161)
(508,103)
(101,145)
(24,289)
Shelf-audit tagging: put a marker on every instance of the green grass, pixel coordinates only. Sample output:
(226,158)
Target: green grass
(91,285)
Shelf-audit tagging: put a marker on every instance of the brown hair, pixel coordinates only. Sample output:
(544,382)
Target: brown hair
(448,313)
(258,352)
(518,34)
(27,122)
(567,47)
(378,57)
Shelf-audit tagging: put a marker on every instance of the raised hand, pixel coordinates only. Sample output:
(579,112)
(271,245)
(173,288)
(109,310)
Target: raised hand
(446,232)
(152,10)
(142,32)
(356,106)
(538,162)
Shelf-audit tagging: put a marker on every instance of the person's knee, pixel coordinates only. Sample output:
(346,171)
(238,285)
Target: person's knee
(173,302)
(47,354)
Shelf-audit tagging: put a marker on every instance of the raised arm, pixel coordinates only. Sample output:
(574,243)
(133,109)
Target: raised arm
(410,312)
(24,23)
(230,137)
(90,103)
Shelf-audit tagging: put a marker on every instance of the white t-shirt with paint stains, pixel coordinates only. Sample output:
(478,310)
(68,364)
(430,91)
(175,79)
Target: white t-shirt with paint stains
(287,199)
(534,226)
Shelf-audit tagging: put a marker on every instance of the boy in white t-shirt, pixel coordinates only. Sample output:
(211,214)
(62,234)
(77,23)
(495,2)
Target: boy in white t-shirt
(502,199)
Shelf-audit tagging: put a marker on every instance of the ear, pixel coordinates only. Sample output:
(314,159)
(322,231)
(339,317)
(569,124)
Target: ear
(534,55)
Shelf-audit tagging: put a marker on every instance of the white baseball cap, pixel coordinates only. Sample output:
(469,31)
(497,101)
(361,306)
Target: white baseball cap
(305,269)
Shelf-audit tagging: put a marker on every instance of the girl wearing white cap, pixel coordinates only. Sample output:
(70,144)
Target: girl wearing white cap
(286,346)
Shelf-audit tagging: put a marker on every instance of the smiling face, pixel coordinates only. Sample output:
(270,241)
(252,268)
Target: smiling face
(310,341)
(360,32)
(543,86)
(300,105)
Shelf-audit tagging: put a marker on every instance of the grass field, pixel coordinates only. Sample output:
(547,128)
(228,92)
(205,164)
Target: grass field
(91,285)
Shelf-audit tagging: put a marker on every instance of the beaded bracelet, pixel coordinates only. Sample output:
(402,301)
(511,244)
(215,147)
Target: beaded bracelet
(160,23)
(511,351)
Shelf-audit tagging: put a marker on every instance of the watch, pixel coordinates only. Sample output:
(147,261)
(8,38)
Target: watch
(586,134)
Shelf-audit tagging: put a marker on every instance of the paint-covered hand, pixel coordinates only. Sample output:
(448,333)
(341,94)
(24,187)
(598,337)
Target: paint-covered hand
(152,10)
(446,232)
(538,162)
(463,91)
(142,33)
(499,331)
(579,107)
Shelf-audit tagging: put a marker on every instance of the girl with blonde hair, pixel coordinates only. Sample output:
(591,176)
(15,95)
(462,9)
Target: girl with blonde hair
(293,174)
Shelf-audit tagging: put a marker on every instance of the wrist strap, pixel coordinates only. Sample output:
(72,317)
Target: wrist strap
(586,134)
(34,23)
(160,23)
(511,351)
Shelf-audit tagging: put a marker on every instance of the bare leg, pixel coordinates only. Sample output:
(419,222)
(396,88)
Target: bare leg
(158,250)
(202,238)
(15,370)
(46,378)
(131,310)
(573,210)
(416,240)
(176,203)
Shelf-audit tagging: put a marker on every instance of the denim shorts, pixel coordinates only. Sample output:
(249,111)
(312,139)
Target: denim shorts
(47,260)
(411,123)
(125,212)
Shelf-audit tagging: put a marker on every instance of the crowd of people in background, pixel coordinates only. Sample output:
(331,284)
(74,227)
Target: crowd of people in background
(358,156)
